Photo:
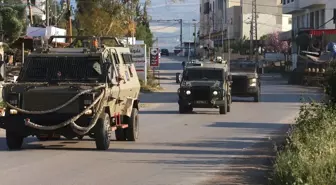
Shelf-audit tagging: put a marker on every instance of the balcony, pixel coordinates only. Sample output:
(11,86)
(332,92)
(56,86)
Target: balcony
(311,3)
(291,7)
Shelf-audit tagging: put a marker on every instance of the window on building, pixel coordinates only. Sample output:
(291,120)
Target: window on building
(298,22)
(220,4)
(317,19)
(206,8)
(323,17)
(311,19)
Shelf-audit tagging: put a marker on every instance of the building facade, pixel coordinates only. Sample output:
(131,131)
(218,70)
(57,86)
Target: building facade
(310,13)
(234,17)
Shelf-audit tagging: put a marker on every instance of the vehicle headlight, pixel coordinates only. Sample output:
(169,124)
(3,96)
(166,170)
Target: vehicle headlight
(188,92)
(253,84)
(215,93)
(253,80)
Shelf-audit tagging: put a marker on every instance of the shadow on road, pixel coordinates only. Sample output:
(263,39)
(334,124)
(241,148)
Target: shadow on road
(245,125)
(158,97)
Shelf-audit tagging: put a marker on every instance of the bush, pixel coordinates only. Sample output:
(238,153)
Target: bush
(152,84)
(309,156)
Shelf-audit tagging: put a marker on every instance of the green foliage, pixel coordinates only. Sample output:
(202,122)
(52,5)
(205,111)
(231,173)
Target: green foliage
(144,33)
(240,45)
(11,19)
(309,156)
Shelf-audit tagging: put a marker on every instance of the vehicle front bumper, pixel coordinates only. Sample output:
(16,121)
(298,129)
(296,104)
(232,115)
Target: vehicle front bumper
(16,123)
(213,103)
(250,91)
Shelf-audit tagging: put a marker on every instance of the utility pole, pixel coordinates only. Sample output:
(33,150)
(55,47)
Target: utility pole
(195,34)
(251,39)
(69,27)
(181,27)
(255,31)
(55,13)
(181,33)
(47,11)
(30,12)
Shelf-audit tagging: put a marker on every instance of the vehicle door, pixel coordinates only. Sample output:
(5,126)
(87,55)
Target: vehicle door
(116,80)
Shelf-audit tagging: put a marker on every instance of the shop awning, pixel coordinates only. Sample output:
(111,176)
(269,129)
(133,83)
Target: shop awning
(319,32)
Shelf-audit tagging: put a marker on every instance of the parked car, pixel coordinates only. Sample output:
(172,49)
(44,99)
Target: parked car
(165,52)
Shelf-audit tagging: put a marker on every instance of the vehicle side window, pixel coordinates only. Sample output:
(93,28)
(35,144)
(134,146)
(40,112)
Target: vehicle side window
(116,59)
(127,58)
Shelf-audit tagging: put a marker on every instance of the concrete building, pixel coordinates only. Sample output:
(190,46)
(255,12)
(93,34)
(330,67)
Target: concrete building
(310,13)
(236,17)
(38,8)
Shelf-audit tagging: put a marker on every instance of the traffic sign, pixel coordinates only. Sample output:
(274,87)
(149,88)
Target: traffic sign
(154,57)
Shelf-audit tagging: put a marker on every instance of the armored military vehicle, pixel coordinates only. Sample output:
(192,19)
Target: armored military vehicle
(206,86)
(190,63)
(245,79)
(91,89)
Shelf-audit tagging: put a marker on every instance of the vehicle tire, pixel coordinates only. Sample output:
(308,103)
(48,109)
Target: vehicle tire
(224,109)
(42,138)
(120,134)
(14,141)
(103,132)
(177,78)
(257,97)
(182,109)
(132,131)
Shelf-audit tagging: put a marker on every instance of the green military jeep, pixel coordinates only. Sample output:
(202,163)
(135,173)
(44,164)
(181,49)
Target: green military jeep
(206,86)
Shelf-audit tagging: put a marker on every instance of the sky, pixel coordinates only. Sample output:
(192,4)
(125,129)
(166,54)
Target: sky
(168,33)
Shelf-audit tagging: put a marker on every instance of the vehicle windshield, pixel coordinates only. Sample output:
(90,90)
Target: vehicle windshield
(236,66)
(61,69)
(203,74)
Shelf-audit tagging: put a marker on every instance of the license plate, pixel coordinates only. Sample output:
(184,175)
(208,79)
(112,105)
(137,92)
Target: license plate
(201,102)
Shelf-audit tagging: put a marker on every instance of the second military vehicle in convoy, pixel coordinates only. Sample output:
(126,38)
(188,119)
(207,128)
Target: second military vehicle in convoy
(206,86)
(245,79)
(89,90)
(189,63)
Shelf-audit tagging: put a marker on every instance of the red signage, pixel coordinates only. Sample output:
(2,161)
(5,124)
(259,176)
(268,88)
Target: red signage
(154,57)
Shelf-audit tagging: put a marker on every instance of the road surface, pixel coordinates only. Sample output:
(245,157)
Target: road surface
(173,149)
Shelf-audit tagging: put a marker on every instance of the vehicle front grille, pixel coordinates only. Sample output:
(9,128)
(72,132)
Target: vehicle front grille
(200,93)
(239,84)
(34,101)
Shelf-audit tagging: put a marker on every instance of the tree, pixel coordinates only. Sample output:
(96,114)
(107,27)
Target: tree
(275,45)
(240,45)
(110,17)
(11,20)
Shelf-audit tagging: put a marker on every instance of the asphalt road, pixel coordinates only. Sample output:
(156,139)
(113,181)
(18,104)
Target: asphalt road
(173,149)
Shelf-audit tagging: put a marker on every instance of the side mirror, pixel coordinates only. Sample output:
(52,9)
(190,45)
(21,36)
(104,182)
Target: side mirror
(107,71)
(229,77)
(3,76)
(178,77)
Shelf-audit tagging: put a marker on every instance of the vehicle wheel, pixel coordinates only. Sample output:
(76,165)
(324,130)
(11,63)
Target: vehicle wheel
(42,138)
(132,131)
(182,109)
(190,109)
(229,104)
(177,78)
(14,141)
(257,97)
(103,132)
(223,109)
(120,134)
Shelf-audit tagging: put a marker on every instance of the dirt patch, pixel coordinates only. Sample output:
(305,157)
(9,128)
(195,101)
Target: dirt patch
(251,169)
